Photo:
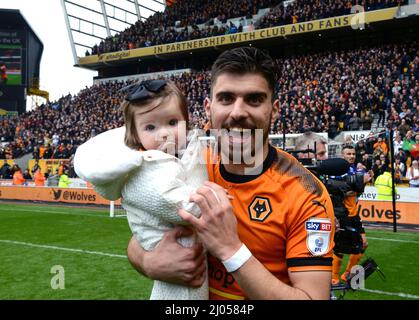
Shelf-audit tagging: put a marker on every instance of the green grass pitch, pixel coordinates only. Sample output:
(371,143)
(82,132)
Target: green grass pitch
(91,248)
(14,79)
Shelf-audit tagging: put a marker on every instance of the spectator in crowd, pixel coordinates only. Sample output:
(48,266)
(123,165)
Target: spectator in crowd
(402,155)
(412,174)
(360,149)
(408,142)
(27,175)
(6,171)
(381,115)
(333,128)
(399,170)
(403,128)
(414,150)
(39,178)
(18,179)
(47,152)
(380,147)
(397,143)
(48,173)
(379,165)
(384,185)
(35,153)
(367,120)
(64,181)
(35,167)
(354,122)
(366,161)
(53,179)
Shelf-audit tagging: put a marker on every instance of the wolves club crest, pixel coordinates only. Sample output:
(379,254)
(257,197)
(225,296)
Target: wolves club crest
(260,209)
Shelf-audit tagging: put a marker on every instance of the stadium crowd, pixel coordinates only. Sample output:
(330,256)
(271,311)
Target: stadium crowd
(323,92)
(180,21)
(172,24)
(306,10)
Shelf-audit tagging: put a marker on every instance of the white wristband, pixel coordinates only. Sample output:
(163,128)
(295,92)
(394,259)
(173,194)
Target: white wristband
(238,259)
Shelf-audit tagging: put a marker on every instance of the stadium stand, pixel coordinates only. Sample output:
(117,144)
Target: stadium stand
(180,21)
(325,92)
(306,10)
(321,91)
(189,20)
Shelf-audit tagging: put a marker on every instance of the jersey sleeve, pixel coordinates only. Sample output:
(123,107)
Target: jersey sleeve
(311,231)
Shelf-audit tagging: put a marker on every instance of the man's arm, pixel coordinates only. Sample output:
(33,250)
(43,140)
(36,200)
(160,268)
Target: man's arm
(169,261)
(259,283)
(217,228)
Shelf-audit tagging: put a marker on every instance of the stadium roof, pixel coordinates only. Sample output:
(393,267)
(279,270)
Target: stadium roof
(90,22)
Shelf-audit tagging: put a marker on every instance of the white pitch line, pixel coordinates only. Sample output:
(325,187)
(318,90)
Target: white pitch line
(28,244)
(397,294)
(57,212)
(393,240)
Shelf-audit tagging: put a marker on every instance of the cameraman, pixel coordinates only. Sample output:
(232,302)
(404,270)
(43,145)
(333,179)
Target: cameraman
(351,236)
(343,191)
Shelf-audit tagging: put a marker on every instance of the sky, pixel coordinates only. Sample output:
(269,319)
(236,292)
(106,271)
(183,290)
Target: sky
(58,76)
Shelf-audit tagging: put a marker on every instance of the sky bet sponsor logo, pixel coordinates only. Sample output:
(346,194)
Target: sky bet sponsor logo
(318,226)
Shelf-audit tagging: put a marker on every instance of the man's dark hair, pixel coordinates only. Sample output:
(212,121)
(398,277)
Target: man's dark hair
(245,60)
(347,146)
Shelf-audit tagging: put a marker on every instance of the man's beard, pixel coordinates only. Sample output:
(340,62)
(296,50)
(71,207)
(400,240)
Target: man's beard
(244,152)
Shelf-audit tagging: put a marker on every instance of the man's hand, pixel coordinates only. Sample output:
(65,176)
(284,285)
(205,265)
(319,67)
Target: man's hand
(367,177)
(169,261)
(364,241)
(217,226)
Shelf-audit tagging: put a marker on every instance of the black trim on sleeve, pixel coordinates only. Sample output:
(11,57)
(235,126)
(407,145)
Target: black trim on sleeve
(309,261)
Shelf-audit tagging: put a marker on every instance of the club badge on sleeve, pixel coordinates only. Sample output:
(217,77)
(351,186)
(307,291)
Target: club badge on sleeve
(318,235)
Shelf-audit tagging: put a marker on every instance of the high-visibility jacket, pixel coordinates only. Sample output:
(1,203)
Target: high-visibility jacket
(383,184)
(64,181)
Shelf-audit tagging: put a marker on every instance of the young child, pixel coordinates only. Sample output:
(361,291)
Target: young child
(139,164)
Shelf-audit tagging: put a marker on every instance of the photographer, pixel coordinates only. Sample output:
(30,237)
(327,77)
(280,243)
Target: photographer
(350,238)
(344,190)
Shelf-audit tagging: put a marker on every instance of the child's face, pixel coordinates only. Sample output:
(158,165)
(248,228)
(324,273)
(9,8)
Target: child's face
(162,128)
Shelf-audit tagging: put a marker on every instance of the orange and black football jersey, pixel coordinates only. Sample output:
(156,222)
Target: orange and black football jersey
(284,216)
(351,203)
